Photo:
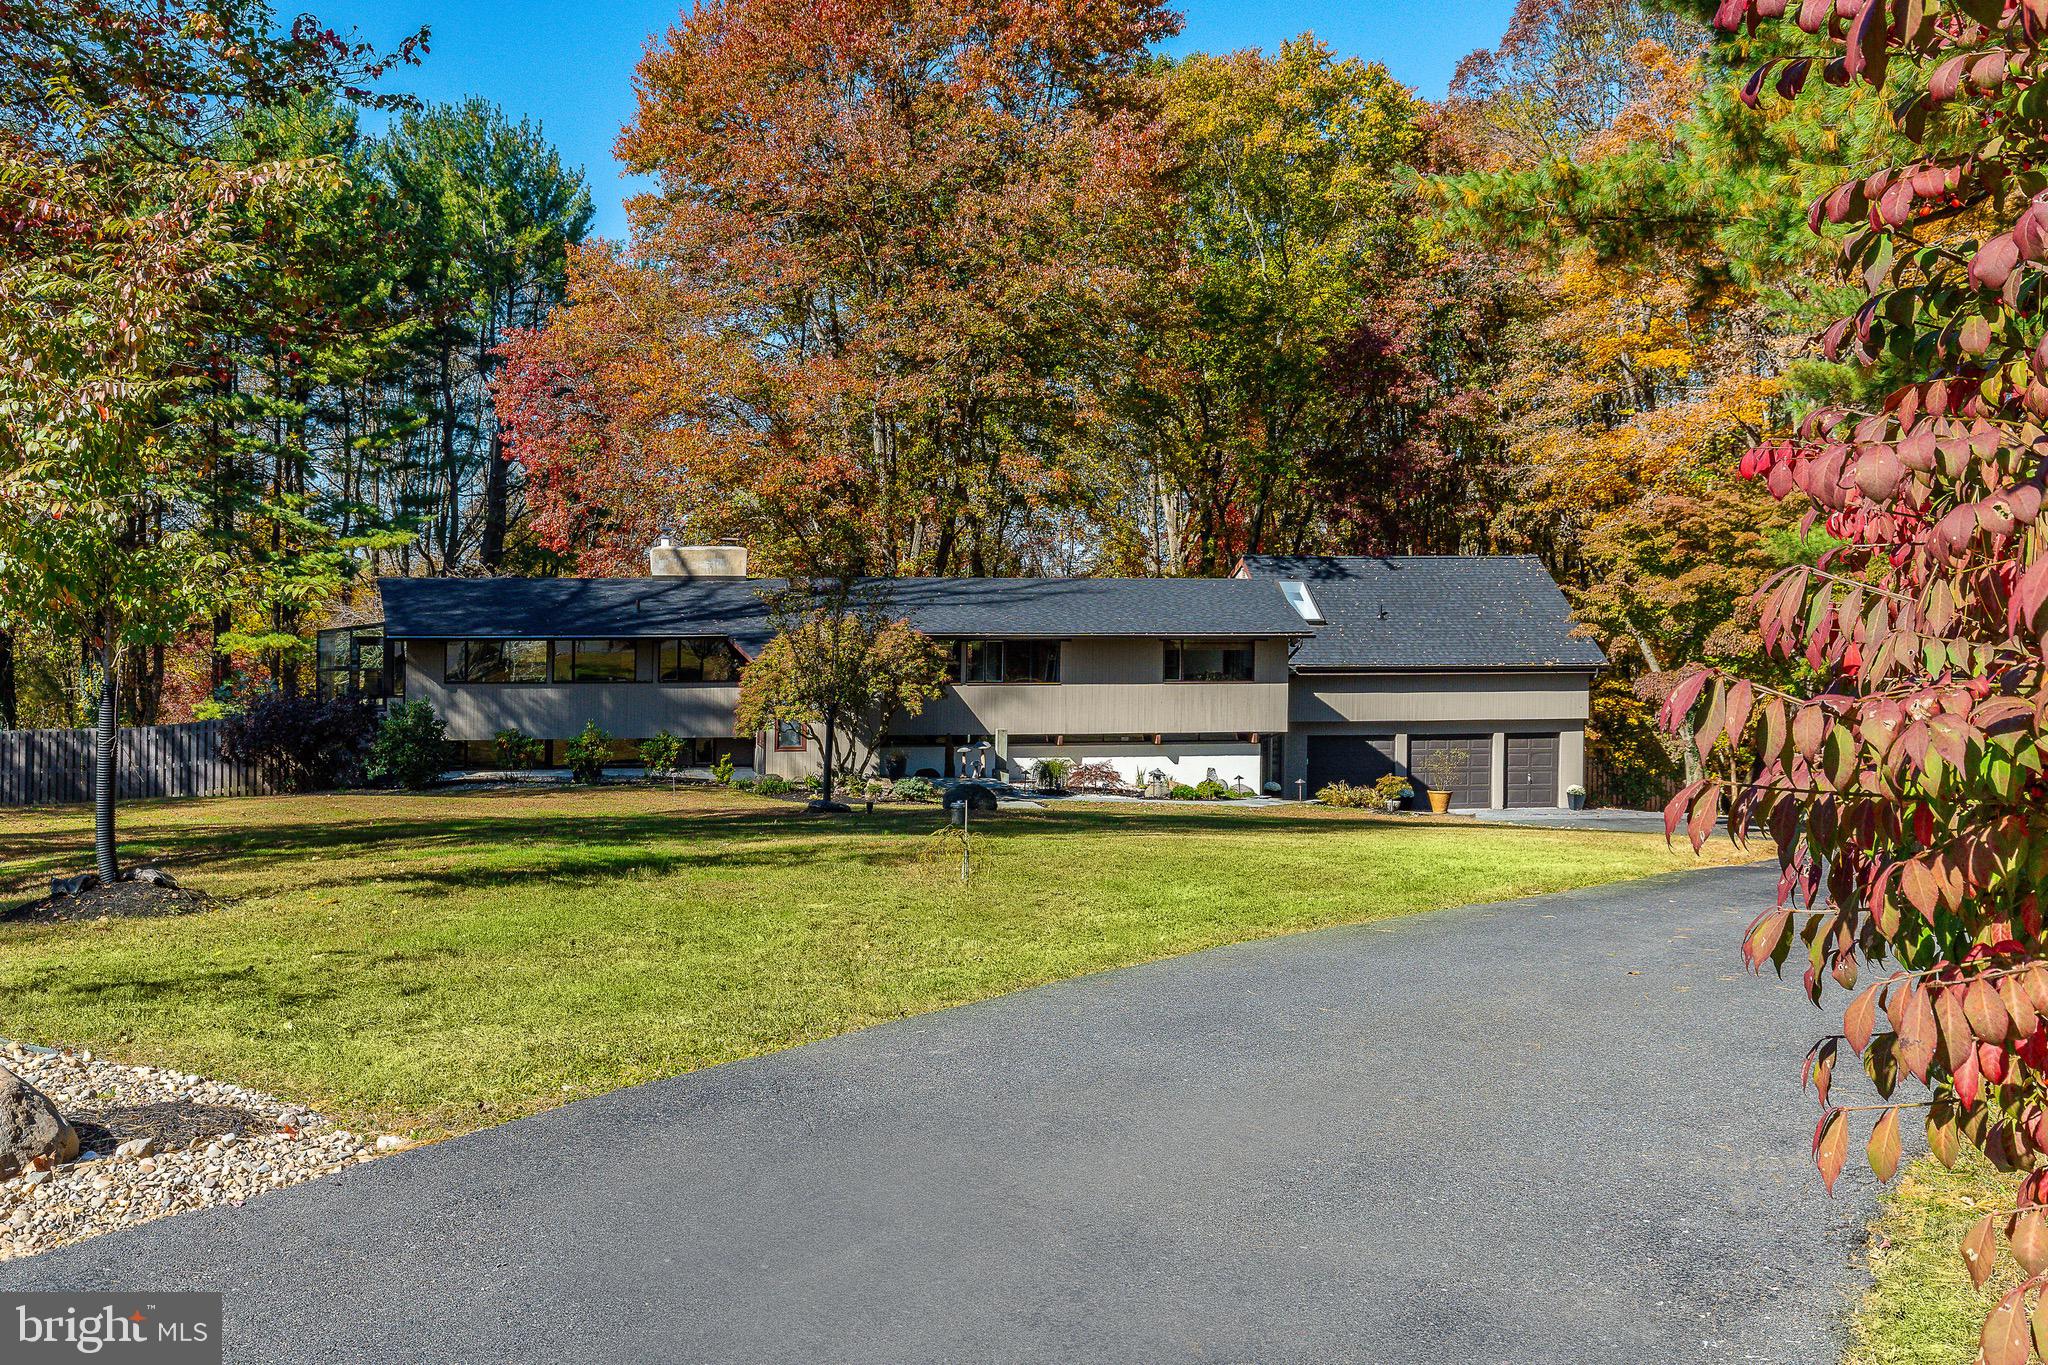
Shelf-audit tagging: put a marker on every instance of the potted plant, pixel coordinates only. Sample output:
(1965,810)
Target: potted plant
(1575,796)
(1392,789)
(1438,769)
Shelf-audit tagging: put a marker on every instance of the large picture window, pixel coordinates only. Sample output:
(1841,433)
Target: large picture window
(978,661)
(594,661)
(703,660)
(1209,660)
(497,661)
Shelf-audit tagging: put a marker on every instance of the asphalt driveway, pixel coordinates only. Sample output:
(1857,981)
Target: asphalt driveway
(1563,1129)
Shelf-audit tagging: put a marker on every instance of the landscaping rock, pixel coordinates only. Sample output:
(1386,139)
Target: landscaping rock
(160,1142)
(30,1126)
(972,795)
(152,876)
(74,886)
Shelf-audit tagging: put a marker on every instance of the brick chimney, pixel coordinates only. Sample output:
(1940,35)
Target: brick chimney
(666,559)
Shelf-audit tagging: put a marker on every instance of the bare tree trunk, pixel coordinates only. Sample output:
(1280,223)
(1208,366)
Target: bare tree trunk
(106,742)
(10,699)
(831,735)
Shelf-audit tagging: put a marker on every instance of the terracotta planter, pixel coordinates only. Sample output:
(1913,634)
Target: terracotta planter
(1439,801)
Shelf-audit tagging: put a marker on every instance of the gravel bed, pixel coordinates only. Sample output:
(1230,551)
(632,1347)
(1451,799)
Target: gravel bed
(156,1142)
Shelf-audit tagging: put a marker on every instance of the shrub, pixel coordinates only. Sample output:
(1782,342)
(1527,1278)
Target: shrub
(914,789)
(1893,745)
(411,747)
(746,784)
(773,786)
(1052,773)
(518,750)
(1209,789)
(1181,791)
(807,783)
(721,770)
(1392,787)
(663,755)
(587,753)
(1098,777)
(1342,794)
(300,742)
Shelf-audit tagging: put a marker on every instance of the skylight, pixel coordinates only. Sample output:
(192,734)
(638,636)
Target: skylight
(1298,598)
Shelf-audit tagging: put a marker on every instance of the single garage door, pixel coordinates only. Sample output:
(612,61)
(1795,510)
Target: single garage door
(1360,760)
(1532,770)
(1470,765)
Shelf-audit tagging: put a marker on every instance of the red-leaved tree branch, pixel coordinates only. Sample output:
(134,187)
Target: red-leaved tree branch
(1901,775)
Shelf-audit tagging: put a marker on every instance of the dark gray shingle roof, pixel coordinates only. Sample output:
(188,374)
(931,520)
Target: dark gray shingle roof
(1432,611)
(529,608)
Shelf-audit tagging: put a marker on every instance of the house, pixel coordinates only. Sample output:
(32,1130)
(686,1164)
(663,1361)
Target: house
(1472,657)
(1293,671)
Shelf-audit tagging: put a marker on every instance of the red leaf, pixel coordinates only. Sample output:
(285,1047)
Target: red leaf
(1706,810)
(1980,1249)
(1883,1148)
(2005,1338)
(2028,1235)
(1918,1033)
(1860,1019)
(1741,700)
(1988,1019)
(1831,1147)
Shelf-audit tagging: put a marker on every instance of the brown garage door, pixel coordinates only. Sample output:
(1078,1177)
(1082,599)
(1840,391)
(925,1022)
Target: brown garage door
(1471,765)
(1360,760)
(1532,770)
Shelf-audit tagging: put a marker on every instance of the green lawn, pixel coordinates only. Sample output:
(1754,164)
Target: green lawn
(445,961)
(1922,1309)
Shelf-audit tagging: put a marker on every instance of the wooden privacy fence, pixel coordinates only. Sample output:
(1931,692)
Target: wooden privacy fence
(1650,793)
(51,767)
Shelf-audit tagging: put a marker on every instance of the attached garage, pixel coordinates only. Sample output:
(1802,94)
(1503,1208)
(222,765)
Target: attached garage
(1470,764)
(1360,760)
(1532,770)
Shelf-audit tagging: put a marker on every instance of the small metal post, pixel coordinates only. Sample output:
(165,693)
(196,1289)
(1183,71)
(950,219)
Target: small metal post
(1301,789)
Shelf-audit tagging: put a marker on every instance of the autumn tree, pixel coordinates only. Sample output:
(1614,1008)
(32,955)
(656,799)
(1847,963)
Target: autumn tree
(1900,769)
(890,253)
(119,208)
(840,669)
(1293,370)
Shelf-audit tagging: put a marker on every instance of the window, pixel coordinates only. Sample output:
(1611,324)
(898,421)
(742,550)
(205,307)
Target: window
(978,661)
(701,660)
(1032,660)
(1208,661)
(497,661)
(588,661)
(789,734)
(1298,598)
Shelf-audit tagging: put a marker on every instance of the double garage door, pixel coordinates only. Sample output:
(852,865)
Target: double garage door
(1362,759)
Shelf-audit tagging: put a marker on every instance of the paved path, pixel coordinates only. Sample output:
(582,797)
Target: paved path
(1565,1129)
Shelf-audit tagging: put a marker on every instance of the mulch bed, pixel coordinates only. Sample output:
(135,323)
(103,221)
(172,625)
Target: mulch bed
(122,900)
(171,1123)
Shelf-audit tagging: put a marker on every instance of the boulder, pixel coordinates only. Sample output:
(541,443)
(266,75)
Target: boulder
(30,1126)
(972,795)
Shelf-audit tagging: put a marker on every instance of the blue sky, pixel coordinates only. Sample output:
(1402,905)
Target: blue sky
(570,64)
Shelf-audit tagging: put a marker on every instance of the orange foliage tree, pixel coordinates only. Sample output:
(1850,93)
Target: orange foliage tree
(864,311)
